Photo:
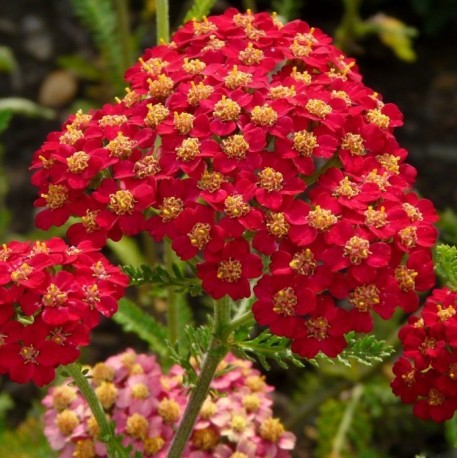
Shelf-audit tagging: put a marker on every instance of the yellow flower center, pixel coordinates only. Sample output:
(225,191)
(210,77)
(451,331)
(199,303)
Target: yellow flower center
(188,150)
(146,167)
(71,136)
(101,372)
(251,402)
(107,394)
(156,114)
(304,262)
(300,50)
(201,28)
(264,115)
(365,297)
(205,438)
(390,162)
(321,218)
(121,146)
(375,218)
(445,314)
(357,249)
(235,146)
(346,188)
(227,109)
(67,421)
(235,78)
(152,445)
(317,328)
(284,302)
(405,278)
(238,423)
(161,87)
(54,296)
(255,383)
(304,142)
(408,236)
(229,271)
(140,391)
(169,410)
(210,181)
(412,212)
(375,116)
(63,396)
(251,55)
(183,122)
(354,143)
(112,120)
(78,162)
(271,429)
(279,92)
(57,196)
(235,206)
(84,448)
(270,179)
(137,426)
(170,209)
(121,203)
(318,108)
(200,235)
(277,225)
(89,221)
(198,92)
(208,409)
(21,273)
(193,66)
(303,77)
(435,397)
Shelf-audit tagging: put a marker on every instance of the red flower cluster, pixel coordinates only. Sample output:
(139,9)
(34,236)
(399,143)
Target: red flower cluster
(52,295)
(426,372)
(257,150)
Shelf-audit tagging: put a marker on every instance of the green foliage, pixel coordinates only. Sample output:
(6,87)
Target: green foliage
(267,346)
(80,67)
(193,347)
(287,9)
(127,250)
(199,9)
(18,105)
(158,275)
(133,319)
(7,61)
(344,429)
(26,441)
(365,349)
(446,265)
(450,432)
(448,226)
(5,118)
(100,19)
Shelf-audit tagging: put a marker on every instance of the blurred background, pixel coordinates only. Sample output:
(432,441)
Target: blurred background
(57,56)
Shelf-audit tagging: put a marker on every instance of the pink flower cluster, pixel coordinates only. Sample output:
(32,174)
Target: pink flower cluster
(146,406)
(52,295)
(426,372)
(257,150)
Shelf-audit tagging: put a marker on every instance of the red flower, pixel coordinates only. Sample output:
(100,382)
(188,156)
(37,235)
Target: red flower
(228,272)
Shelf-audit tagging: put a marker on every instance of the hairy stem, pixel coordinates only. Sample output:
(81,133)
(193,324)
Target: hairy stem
(162,21)
(172,308)
(216,351)
(114,448)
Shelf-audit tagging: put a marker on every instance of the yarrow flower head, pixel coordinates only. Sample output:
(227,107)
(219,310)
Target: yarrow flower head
(258,151)
(52,296)
(146,406)
(425,374)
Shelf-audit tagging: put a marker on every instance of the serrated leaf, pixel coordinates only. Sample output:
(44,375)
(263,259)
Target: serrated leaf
(446,265)
(133,319)
(365,349)
(199,9)
(267,346)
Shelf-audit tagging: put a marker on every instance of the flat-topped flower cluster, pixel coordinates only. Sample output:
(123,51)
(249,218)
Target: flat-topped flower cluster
(257,150)
(426,372)
(146,405)
(52,295)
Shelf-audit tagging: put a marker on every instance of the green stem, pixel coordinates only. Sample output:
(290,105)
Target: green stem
(216,351)
(239,321)
(162,21)
(123,16)
(172,307)
(114,448)
(347,418)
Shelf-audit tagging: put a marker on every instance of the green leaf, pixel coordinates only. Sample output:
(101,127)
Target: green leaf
(5,118)
(199,9)
(127,251)
(365,349)
(267,346)
(446,265)
(100,19)
(7,61)
(287,9)
(80,66)
(158,275)
(133,319)
(448,226)
(18,105)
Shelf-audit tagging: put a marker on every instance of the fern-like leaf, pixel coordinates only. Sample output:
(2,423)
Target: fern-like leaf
(100,19)
(158,275)
(446,265)
(365,349)
(199,9)
(267,346)
(133,319)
